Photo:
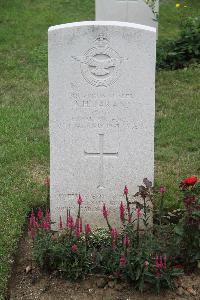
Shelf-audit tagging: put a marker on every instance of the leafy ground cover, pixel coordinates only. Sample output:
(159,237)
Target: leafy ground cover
(34,284)
(24,145)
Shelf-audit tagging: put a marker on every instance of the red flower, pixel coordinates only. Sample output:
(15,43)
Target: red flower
(122,261)
(105,211)
(79,200)
(126,190)
(190,180)
(122,211)
(74,248)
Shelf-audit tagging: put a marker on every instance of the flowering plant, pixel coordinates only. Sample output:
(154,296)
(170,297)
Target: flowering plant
(188,229)
(65,251)
(135,252)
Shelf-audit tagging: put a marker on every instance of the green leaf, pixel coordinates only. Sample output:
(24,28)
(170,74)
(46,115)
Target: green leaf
(179,230)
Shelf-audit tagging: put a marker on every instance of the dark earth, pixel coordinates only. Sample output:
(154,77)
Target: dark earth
(28,282)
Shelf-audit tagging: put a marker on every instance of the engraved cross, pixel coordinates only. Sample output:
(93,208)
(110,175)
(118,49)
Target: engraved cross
(101,155)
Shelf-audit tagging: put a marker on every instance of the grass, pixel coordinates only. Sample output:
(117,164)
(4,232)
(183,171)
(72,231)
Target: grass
(24,144)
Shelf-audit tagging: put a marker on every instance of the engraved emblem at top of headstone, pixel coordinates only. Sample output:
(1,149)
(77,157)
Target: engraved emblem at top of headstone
(100,65)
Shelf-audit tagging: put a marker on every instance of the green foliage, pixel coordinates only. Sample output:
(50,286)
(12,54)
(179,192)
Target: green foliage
(53,252)
(183,51)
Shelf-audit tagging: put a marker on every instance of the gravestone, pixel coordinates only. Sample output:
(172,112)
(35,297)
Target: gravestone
(101,86)
(136,11)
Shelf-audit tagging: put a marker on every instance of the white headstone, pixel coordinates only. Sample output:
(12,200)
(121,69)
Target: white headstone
(136,11)
(101,79)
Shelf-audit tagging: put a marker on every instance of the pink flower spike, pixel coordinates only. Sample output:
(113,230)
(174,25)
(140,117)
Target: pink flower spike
(74,248)
(60,223)
(122,211)
(126,241)
(70,222)
(157,267)
(78,232)
(48,216)
(126,190)
(163,189)
(46,225)
(36,225)
(87,229)
(40,214)
(161,262)
(32,219)
(138,212)
(105,211)
(80,200)
(114,233)
(122,261)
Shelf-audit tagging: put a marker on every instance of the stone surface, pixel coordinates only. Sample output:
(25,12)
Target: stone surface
(101,282)
(101,86)
(180,291)
(136,11)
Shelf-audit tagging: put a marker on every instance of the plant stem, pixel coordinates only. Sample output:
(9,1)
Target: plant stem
(138,229)
(161,209)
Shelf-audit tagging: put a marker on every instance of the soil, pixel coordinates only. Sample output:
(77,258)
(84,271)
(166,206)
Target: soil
(28,282)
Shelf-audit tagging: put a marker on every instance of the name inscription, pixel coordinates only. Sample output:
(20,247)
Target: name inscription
(100,100)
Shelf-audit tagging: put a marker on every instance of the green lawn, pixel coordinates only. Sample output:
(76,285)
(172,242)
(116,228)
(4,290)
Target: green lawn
(24,144)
